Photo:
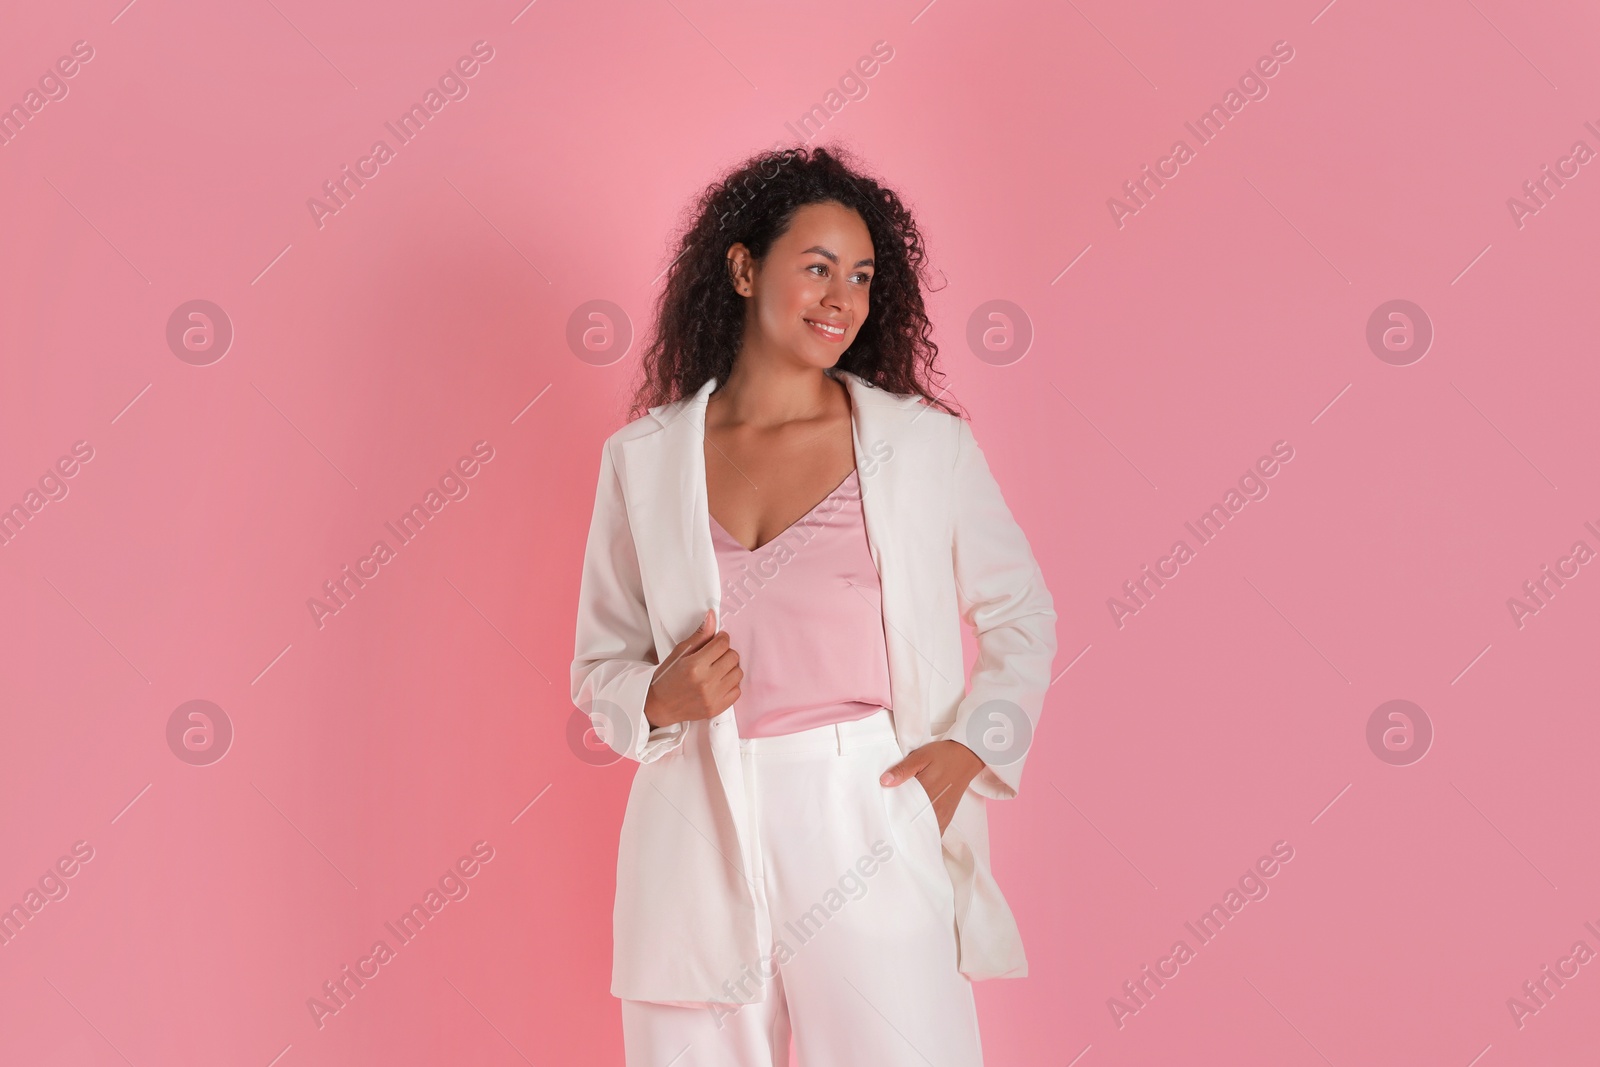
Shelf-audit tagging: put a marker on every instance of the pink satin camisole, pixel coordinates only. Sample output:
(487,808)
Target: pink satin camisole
(805,614)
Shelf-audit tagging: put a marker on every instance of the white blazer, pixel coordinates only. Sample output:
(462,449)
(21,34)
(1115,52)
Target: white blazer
(946,548)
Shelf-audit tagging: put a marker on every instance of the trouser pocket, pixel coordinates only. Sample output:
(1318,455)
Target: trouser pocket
(911,814)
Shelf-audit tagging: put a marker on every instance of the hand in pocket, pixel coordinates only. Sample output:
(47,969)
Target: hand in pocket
(943,769)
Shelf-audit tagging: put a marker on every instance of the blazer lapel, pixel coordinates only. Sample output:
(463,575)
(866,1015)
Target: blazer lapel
(894,505)
(671,523)
(666,474)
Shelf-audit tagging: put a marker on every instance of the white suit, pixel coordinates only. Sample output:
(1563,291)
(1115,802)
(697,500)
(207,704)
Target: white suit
(946,548)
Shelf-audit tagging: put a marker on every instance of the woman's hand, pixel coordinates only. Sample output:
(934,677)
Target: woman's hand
(699,680)
(944,768)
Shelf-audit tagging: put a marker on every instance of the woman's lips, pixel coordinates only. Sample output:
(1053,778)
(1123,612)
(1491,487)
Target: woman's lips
(827,335)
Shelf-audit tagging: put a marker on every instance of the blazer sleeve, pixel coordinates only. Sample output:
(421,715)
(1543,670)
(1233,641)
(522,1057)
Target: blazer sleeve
(1001,594)
(614,657)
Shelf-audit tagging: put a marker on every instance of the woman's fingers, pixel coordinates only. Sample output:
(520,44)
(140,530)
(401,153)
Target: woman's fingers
(908,766)
(940,771)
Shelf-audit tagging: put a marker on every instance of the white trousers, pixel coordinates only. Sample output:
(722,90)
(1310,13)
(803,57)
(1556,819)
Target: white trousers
(856,913)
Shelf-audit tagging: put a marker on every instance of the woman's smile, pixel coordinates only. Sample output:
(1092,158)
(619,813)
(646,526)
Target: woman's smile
(829,330)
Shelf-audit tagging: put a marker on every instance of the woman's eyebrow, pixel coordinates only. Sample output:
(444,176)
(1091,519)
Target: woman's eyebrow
(819,250)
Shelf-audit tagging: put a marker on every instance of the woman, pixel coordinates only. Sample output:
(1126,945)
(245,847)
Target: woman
(782,550)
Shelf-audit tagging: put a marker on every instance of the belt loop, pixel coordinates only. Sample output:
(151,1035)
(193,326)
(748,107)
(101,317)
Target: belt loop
(838,736)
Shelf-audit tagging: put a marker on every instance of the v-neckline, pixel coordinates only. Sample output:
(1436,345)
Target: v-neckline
(786,529)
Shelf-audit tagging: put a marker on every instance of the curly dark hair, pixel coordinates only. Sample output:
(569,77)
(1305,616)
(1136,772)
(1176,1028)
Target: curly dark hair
(699,318)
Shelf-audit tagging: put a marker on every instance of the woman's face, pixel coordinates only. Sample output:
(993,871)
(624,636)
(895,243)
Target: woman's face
(810,296)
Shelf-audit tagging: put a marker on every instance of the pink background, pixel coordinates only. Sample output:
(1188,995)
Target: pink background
(431,311)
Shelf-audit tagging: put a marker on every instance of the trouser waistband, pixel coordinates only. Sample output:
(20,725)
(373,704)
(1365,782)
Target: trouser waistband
(834,737)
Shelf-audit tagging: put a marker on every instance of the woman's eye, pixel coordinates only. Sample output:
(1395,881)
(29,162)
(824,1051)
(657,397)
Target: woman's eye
(861,278)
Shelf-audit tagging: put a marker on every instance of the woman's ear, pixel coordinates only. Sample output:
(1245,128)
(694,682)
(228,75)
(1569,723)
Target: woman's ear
(738,260)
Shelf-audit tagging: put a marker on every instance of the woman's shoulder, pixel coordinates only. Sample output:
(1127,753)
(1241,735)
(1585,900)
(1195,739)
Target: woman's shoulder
(920,418)
(913,406)
(654,419)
